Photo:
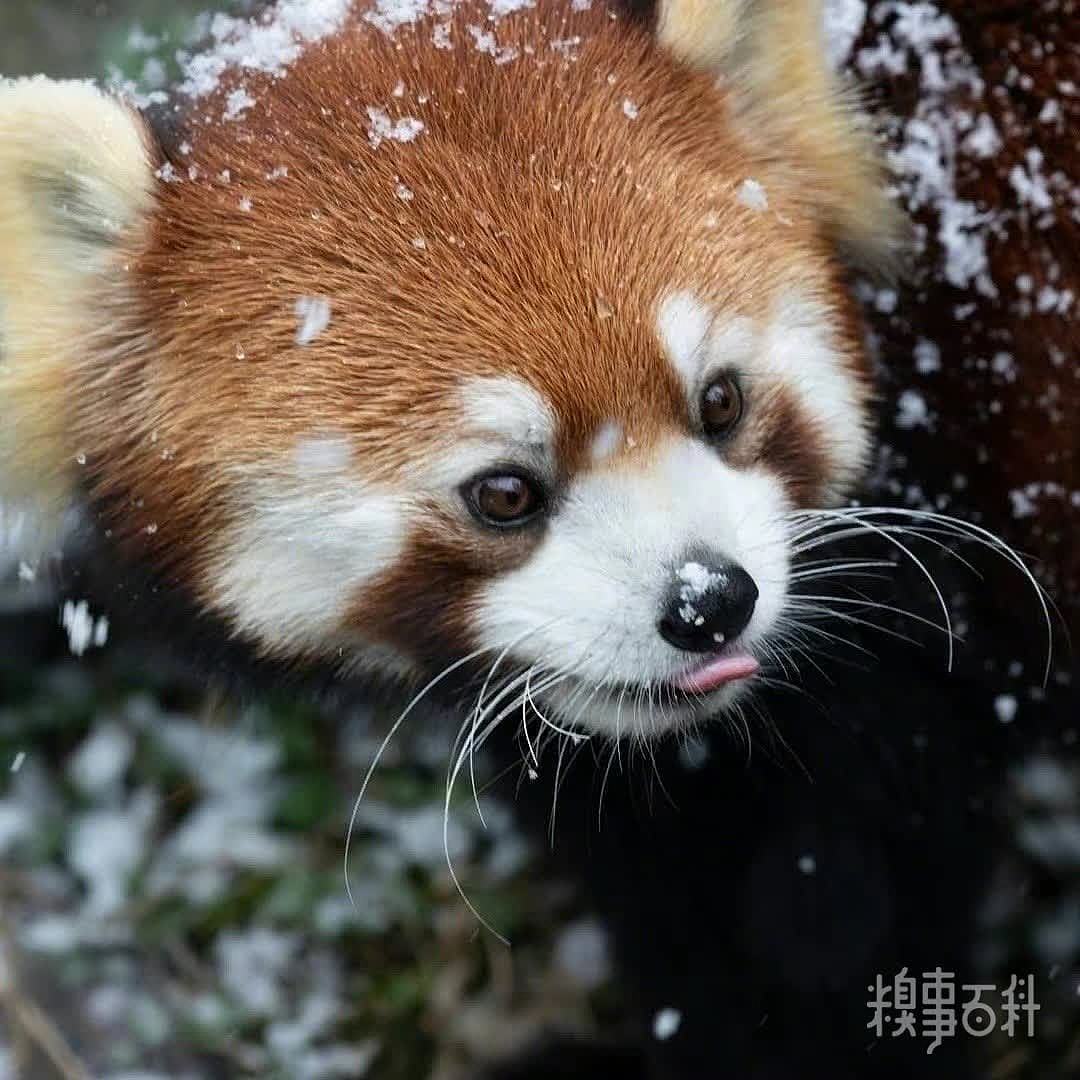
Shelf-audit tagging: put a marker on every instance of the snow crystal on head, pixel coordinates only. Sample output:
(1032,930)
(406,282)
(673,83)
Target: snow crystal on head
(313,316)
(267,44)
(506,7)
(486,42)
(752,195)
(390,14)
(381,127)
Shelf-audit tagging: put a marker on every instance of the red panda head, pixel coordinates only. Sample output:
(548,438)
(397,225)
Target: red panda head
(506,332)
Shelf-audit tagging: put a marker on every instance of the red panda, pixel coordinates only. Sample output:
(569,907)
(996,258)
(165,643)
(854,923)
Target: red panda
(473,330)
(475,333)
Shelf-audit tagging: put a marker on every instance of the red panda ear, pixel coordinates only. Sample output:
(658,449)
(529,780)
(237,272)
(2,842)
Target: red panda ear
(771,55)
(76,181)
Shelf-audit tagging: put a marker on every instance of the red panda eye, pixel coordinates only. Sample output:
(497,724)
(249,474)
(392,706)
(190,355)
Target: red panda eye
(721,407)
(504,499)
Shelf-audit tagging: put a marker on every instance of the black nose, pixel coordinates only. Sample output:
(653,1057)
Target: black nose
(708,604)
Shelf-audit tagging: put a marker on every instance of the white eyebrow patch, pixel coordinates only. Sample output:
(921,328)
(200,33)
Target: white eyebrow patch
(683,326)
(694,339)
(322,455)
(734,343)
(507,408)
(609,438)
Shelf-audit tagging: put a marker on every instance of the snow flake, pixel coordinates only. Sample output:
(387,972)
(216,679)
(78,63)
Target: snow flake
(666,1023)
(485,42)
(1005,707)
(927,357)
(82,628)
(1050,113)
(1029,184)
(313,316)
(912,411)
(507,7)
(697,581)
(1004,364)
(1023,505)
(402,130)
(261,45)
(983,141)
(237,103)
(752,195)
(583,952)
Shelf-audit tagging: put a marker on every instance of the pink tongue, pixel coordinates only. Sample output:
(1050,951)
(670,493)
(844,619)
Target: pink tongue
(717,673)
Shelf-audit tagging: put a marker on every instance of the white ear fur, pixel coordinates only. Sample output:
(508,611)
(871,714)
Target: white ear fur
(74,162)
(772,57)
(76,179)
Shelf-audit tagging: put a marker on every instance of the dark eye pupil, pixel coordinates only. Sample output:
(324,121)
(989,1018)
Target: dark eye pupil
(721,406)
(504,498)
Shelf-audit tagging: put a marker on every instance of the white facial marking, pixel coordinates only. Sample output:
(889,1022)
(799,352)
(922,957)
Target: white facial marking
(302,549)
(800,348)
(733,344)
(608,440)
(683,325)
(509,409)
(322,455)
(620,537)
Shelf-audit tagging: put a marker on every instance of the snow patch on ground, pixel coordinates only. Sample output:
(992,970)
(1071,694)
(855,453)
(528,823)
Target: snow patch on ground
(844,20)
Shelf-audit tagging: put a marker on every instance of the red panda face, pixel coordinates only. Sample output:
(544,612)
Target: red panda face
(525,355)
